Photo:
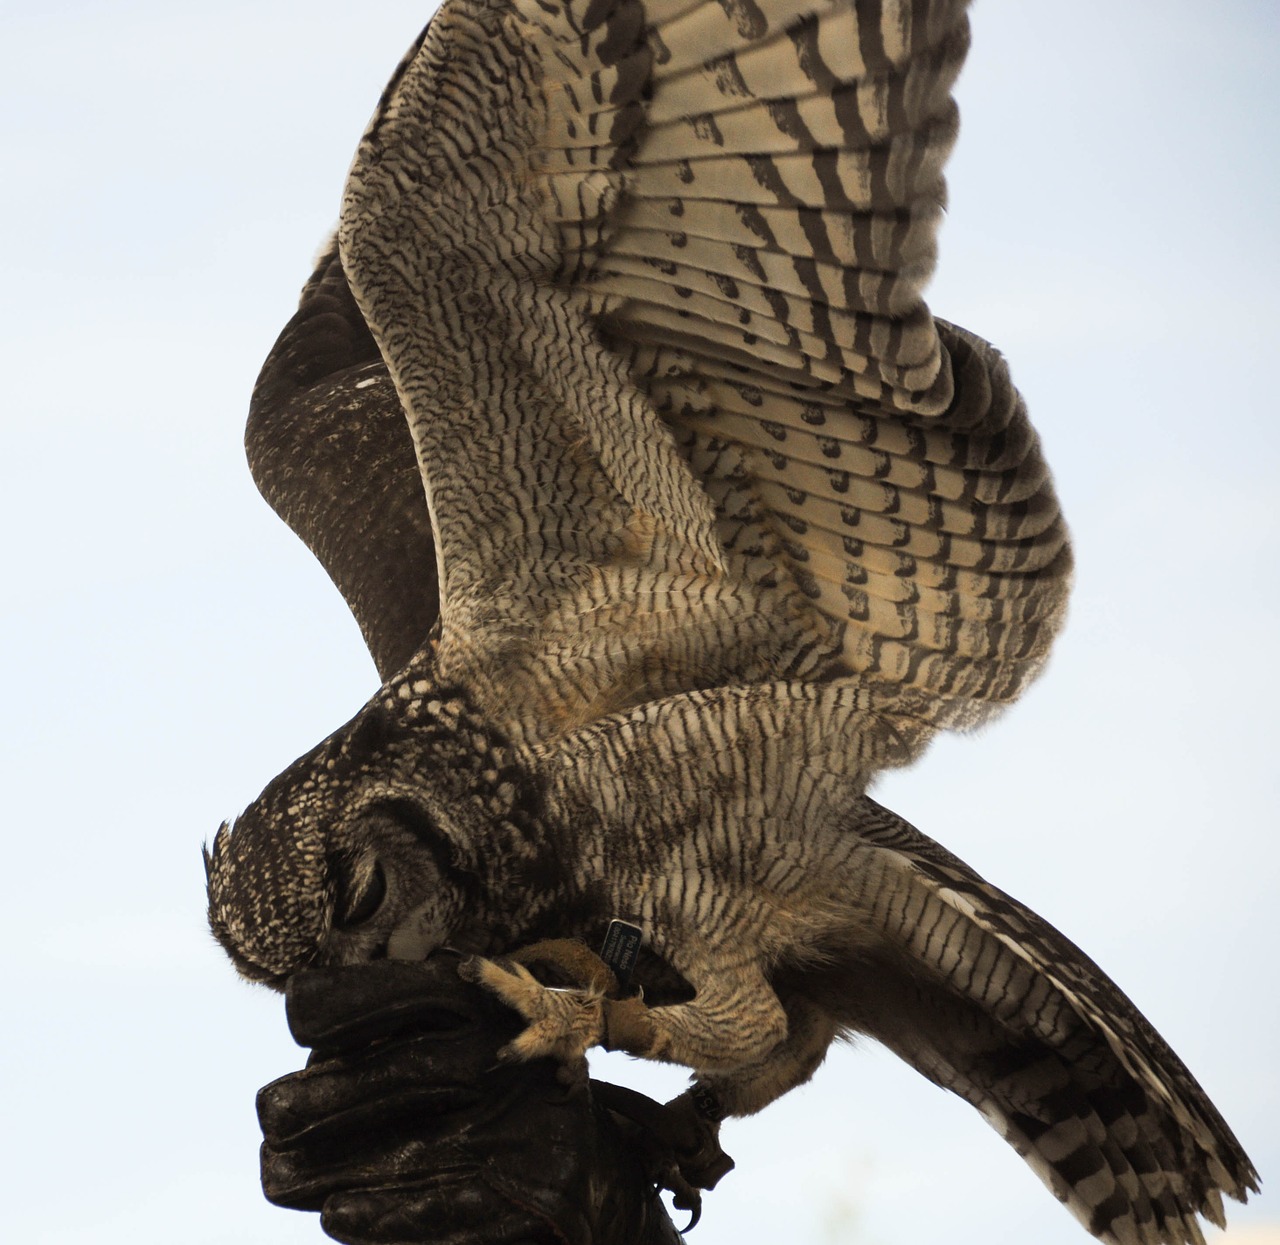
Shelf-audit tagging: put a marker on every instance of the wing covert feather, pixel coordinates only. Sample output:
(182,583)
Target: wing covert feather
(762,272)
(688,274)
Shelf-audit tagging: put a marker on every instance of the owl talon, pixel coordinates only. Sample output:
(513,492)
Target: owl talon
(469,968)
(681,1149)
(684,1196)
(700,1159)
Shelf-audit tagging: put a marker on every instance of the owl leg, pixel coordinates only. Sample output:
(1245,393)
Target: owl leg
(735,1019)
(572,957)
(746,1090)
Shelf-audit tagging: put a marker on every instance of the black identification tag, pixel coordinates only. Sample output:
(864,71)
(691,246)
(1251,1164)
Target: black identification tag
(620,949)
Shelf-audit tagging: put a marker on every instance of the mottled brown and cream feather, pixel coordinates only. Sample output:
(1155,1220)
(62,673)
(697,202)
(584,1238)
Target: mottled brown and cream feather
(697,520)
(329,449)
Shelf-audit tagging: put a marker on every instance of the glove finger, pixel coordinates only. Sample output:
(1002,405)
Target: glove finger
(450,1211)
(335,1009)
(387,1082)
(407,1134)
(302,1179)
(338,1155)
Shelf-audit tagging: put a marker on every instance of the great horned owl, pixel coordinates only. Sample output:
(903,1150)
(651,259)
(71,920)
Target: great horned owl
(700,521)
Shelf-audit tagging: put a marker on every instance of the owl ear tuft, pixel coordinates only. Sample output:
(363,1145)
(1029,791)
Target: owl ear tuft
(207,850)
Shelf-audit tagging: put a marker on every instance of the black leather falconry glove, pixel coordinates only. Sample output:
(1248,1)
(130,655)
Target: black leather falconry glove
(405,1127)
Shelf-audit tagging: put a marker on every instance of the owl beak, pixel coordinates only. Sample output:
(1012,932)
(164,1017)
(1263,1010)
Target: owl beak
(416,937)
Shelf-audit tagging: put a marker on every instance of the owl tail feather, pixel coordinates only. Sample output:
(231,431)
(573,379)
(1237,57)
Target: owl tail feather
(989,1001)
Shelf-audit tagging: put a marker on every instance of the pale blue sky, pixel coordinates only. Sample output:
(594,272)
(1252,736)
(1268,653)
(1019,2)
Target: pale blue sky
(170,172)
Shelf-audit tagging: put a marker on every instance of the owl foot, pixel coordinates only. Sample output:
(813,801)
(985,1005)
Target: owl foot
(702,1161)
(681,1145)
(697,1161)
(562,1024)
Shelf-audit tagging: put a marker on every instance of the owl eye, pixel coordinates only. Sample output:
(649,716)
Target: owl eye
(356,907)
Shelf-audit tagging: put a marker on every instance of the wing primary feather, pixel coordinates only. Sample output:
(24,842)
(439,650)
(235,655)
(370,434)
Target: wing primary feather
(991,1002)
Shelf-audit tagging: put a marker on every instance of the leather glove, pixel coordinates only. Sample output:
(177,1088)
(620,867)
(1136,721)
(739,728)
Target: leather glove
(404,1127)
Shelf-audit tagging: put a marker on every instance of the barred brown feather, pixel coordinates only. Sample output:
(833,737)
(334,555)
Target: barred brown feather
(696,520)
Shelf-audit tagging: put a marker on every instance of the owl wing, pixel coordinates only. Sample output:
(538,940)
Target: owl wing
(988,1000)
(647,277)
(330,452)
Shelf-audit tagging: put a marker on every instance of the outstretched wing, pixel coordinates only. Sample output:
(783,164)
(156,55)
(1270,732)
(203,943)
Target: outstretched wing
(765,280)
(648,280)
(991,1002)
(330,451)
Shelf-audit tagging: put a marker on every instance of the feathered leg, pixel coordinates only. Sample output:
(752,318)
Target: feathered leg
(734,1020)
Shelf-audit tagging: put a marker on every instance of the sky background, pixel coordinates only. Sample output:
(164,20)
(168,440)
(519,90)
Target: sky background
(169,645)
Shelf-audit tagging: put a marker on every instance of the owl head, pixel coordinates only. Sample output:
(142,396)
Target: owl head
(380,841)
